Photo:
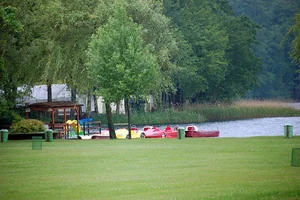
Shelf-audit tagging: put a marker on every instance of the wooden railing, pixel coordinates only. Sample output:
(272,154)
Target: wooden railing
(91,127)
(63,129)
(59,128)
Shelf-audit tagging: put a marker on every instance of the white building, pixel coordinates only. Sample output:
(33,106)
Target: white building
(61,92)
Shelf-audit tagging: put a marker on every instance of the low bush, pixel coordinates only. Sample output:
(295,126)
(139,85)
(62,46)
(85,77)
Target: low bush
(27,126)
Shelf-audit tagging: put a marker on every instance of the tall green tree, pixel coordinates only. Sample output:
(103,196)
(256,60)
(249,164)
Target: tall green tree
(119,63)
(216,57)
(294,31)
(295,45)
(63,30)
(66,26)
(158,32)
(243,66)
(10,28)
(203,31)
(24,65)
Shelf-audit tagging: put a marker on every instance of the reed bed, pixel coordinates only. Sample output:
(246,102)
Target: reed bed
(261,103)
(197,113)
(158,117)
(235,113)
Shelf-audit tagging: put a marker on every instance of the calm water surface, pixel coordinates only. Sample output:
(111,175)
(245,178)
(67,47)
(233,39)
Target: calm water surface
(251,127)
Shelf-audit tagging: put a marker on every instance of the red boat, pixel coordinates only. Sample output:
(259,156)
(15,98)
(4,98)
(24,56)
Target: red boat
(154,132)
(192,131)
(170,133)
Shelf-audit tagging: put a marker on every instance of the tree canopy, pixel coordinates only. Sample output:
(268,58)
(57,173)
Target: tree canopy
(10,28)
(218,57)
(278,77)
(119,64)
(295,45)
(205,50)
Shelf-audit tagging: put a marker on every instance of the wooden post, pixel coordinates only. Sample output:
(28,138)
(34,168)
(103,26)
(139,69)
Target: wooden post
(65,115)
(77,118)
(52,120)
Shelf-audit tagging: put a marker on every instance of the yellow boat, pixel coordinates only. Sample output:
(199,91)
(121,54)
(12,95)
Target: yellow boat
(123,133)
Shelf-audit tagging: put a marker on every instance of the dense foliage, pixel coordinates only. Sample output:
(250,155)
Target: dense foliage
(10,27)
(295,46)
(204,50)
(219,63)
(278,78)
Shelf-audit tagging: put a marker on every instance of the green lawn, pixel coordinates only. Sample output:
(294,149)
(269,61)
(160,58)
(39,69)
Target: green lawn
(203,168)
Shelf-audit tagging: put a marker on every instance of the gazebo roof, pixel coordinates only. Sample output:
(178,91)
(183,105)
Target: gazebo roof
(52,107)
(55,105)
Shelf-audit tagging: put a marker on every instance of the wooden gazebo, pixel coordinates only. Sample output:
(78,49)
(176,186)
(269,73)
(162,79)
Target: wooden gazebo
(52,107)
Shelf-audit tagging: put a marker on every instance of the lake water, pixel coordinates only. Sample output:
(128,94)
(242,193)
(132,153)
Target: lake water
(251,127)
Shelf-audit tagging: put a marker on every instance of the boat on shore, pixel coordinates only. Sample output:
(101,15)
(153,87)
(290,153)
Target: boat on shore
(193,131)
(151,132)
(103,135)
(154,132)
(93,137)
(121,133)
(170,132)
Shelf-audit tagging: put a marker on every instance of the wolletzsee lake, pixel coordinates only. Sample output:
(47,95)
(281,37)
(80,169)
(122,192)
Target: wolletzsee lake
(250,127)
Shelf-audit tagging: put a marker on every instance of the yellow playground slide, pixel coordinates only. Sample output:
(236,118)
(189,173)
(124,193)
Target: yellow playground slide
(73,127)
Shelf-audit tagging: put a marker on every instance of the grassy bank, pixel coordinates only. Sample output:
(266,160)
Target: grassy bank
(203,168)
(198,113)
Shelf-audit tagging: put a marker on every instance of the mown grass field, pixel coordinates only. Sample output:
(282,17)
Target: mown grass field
(202,168)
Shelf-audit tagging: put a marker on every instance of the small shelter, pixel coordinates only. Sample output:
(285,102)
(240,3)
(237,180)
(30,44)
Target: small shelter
(52,108)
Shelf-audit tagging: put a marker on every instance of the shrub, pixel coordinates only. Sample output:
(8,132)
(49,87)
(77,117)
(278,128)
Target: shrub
(16,117)
(27,126)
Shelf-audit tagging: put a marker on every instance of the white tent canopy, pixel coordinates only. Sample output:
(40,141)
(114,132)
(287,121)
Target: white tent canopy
(60,92)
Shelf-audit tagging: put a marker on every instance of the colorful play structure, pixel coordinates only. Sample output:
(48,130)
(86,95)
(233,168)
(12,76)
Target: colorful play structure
(87,126)
(84,126)
(69,128)
(73,129)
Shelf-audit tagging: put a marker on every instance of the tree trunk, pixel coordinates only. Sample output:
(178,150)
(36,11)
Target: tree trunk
(10,93)
(73,94)
(126,103)
(73,99)
(49,92)
(88,106)
(128,115)
(95,104)
(118,108)
(170,100)
(178,98)
(112,133)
